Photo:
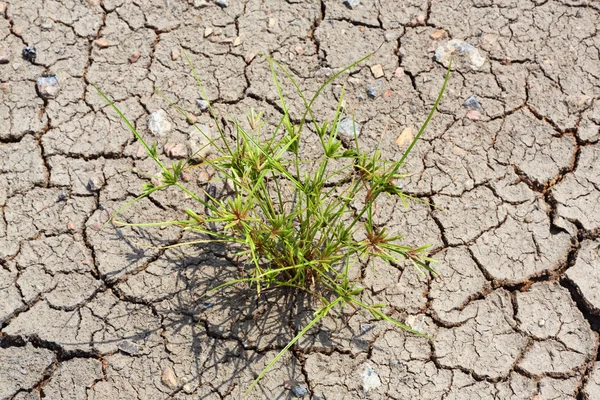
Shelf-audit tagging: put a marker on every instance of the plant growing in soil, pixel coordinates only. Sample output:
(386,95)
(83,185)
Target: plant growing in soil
(295,229)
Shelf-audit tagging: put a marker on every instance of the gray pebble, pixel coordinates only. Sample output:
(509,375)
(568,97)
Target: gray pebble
(473,104)
(202,104)
(47,87)
(347,128)
(351,4)
(372,92)
(221,3)
(129,347)
(299,391)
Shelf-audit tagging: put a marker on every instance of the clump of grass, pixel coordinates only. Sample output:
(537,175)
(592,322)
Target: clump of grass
(295,229)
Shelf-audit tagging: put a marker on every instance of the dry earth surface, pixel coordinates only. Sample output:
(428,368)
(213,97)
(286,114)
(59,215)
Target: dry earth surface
(512,160)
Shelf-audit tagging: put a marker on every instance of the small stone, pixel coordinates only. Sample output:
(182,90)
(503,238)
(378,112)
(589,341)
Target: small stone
(399,73)
(421,19)
(473,104)
(250,55)
(129,347)
(156,181)
(200,3)
(370,379)
(141,152)
(18,30)
(347,129)
(189,388)
(390,36)
(202,104)
(158,123)
(299,50)
(2,7)
(95,183)
(351,4)
(134,57)
(175,54)
(5,55)
(439,34)
(299,391)
(415,322)
(377,71)
(272,23)
(405,138)
(175,150)
(102,43)
(47,87)
(62,197)
(541,322)
(365,328)
(93,2)
(237,41)
(47,25)
(5,87)
(469,55)
(578,14)
(208,31)
(203,177)
(29,53)
(199,144)
(474,115)
(192,119)
(70,226)
(324,72)
(221,3)
(372,92)
(168,378)
(186,176)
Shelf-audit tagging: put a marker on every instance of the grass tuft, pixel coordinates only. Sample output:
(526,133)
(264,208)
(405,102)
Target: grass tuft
(295,230)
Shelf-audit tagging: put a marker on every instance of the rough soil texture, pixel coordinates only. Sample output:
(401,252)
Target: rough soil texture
(510,167)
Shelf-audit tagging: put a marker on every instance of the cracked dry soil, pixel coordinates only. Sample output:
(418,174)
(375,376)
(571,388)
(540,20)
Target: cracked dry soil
(90,314)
